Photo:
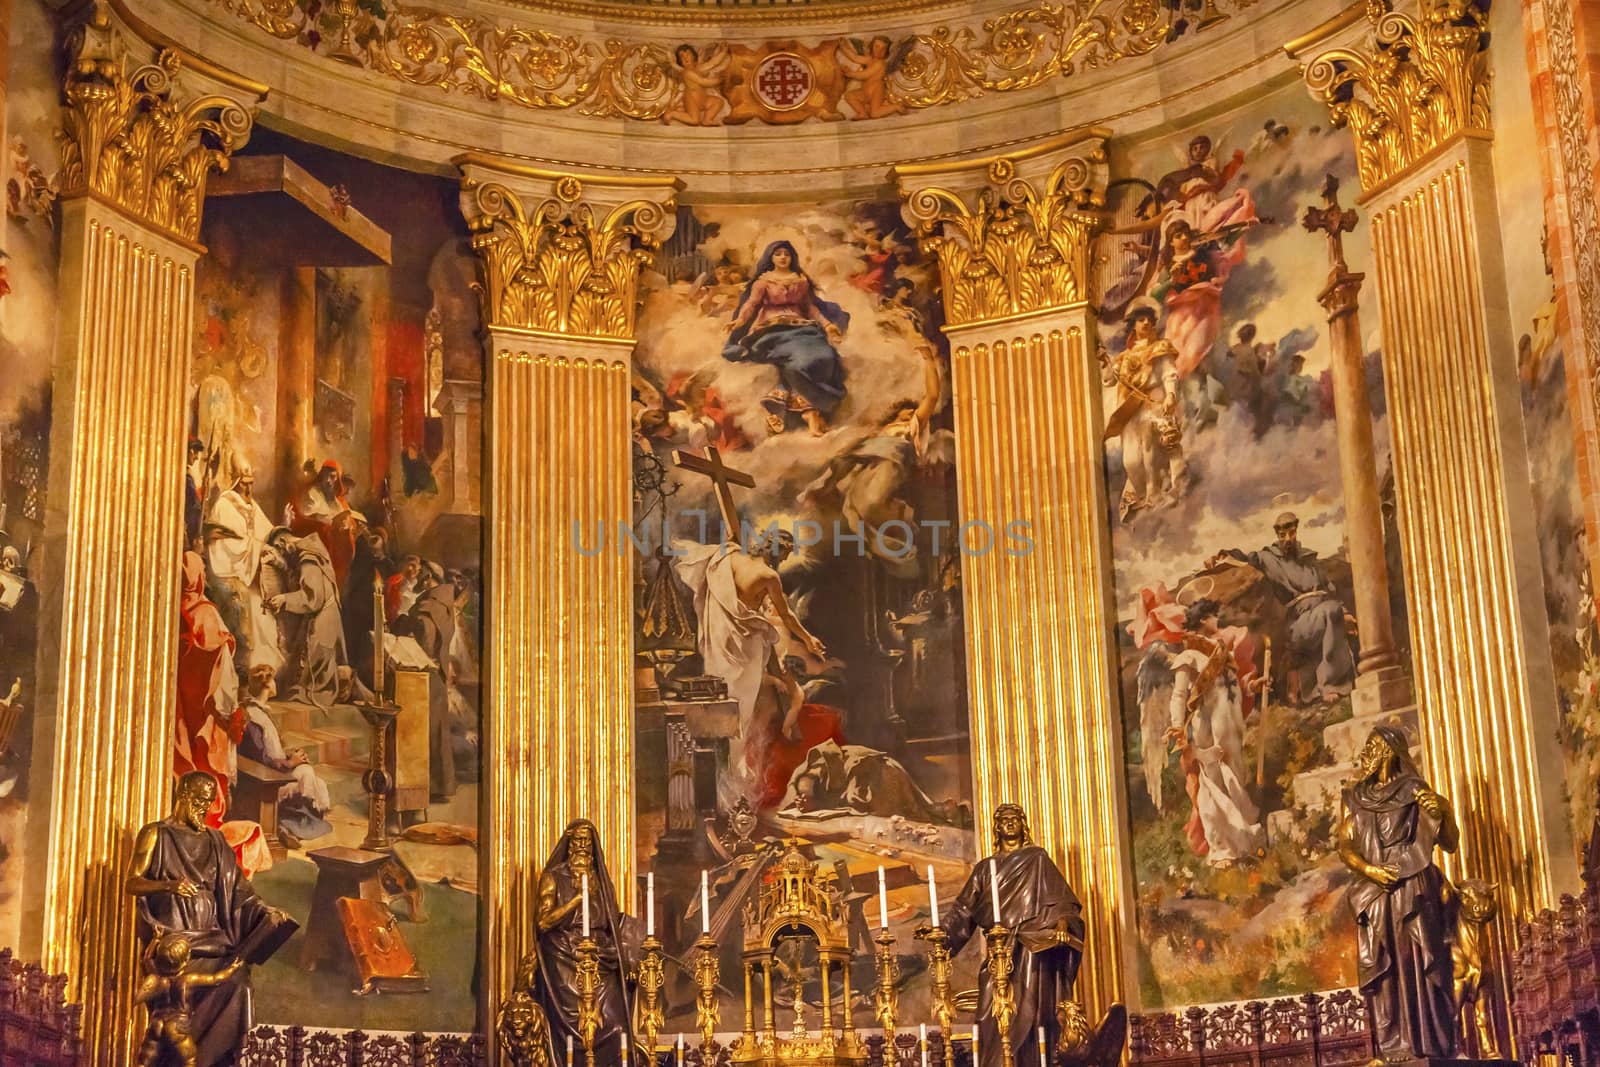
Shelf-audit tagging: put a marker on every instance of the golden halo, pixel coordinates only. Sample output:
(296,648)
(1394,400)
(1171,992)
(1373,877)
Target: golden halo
(1198,589)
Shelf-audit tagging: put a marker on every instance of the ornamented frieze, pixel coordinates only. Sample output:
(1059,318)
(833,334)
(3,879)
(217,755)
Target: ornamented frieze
(556,257)
(1418,82)
(711,82)
(141,130)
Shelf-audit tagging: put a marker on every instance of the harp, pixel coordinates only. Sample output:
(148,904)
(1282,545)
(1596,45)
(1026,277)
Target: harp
(1126,260)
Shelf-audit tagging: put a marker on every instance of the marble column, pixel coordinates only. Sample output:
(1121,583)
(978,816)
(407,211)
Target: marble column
(1485,685)
(1382,688)
(1012,235)
(559,260)
(129,225)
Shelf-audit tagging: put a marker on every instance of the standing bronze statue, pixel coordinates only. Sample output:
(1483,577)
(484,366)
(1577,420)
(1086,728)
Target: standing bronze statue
(577,856)
(188,883)
(1044,923)
(1391,823)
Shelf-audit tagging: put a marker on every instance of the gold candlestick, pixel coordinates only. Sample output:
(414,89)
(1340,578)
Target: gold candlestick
(706,974)
(588,980)
(1003,1005)
(652,977)
(939,973)
(886,999)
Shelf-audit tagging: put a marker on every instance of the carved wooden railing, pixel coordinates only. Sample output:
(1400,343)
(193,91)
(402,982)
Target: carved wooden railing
(1314,1030)
(38,1028)
(1556,975)
(298,1046)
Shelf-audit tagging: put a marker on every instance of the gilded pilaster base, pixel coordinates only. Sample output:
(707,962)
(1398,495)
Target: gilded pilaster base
(559,721)
(1046,729)
(1461,487)
(105,724)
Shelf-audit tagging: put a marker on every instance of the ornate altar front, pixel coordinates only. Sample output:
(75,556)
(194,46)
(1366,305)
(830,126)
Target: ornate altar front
(799,900)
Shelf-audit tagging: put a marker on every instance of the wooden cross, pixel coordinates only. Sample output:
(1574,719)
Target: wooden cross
(1332,220)
(723,478)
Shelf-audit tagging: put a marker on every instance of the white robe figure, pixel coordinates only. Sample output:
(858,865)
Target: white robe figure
(306,783)
(1215,733)
(735,640)
(235,559)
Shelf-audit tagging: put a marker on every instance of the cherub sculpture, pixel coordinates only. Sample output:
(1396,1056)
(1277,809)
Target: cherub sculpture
(165,992)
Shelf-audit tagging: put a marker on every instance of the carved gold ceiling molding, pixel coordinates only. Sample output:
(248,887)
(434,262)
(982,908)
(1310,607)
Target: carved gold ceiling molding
(1011,233)
(562,254)
(715,82)
(1416,83)
(144,128)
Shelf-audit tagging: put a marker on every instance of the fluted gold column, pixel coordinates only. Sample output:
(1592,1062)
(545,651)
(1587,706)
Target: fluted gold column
(1011,235)
(1414,93)
(143,127)
(560,259)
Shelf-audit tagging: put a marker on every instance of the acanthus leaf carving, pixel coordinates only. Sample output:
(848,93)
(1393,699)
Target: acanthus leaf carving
(565,266)
(1018,246)
(131,135)
(1419,82)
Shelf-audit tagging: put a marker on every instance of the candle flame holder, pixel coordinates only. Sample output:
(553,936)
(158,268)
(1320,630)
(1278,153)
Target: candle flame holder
(588,981)
(1003,1003)
(886,998)
(652,979)
(707,972)
(939,967)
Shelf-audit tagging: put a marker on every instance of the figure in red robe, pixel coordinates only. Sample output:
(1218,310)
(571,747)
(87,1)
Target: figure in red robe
(210,722)
(323,509)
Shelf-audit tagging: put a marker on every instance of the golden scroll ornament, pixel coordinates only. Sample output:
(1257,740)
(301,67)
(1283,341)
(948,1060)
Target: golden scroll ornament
(1418,82)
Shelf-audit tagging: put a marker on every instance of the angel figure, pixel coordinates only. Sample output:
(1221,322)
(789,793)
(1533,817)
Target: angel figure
(1197,683)
(868,69)
(702,103)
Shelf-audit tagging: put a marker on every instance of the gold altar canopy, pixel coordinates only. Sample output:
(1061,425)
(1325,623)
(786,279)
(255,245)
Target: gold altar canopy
(798,899)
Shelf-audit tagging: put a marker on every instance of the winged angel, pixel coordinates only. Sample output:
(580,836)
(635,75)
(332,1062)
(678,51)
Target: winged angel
(1196,684)
(868,65)
(703,103)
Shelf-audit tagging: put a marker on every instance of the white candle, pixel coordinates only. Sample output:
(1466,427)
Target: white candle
(922,1035)
(569,1050)
(622,1039)
(1042,1059)
(883,900)
(680,1049)
(994,889)
(705,903)
(586,905)
(650,904)
(975,1060)
(933,895)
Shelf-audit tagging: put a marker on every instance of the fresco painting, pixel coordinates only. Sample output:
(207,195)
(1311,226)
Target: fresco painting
(1235,605)
(809,683)
(332,569)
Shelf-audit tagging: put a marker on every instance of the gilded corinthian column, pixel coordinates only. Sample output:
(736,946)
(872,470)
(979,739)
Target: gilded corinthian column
(1012,237)
(559,261)
(143,127)
(1414,92)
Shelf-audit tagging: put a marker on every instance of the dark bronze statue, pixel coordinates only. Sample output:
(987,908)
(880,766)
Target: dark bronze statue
(1392,822)
(1045,924)
(576,856)
(524,1031)
(188,883)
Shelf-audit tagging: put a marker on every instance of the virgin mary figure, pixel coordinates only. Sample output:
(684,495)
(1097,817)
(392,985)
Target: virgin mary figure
(782,322)
(574,862)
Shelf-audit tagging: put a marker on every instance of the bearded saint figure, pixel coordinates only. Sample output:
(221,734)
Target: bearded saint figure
(577,861)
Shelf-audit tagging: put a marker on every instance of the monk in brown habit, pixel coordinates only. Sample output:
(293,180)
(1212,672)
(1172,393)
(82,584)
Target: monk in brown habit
(188,881)
(1046,922)
(1392,821)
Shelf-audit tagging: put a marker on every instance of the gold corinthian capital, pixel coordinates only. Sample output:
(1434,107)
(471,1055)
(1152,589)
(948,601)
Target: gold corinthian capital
(1011,233)
(561,254)
(1413,85)
(145,124)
